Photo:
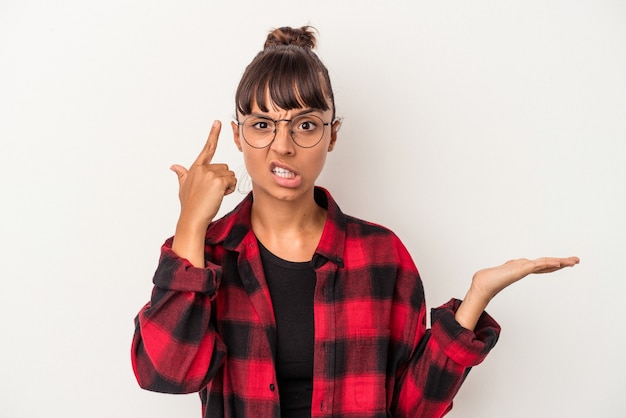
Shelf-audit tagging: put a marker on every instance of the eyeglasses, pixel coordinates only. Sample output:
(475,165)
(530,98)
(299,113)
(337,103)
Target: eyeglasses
(260,131)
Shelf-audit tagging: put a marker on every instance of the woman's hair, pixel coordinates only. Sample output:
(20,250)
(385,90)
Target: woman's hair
(286,73)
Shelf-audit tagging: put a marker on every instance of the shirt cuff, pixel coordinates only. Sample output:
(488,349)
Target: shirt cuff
(178,274)
(465,347)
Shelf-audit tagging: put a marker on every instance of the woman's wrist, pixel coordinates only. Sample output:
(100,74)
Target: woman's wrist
(189,243)
(472,307)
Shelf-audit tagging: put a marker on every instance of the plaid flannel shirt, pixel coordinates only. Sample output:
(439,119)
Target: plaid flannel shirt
(212,330)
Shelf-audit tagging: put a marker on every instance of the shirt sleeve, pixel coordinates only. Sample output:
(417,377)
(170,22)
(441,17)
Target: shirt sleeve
(464,347)
(427,384)
(175,347)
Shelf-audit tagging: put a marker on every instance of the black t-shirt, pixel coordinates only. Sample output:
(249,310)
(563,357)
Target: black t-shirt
(292,288)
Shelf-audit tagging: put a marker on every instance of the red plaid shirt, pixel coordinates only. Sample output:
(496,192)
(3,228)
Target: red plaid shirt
(212,330)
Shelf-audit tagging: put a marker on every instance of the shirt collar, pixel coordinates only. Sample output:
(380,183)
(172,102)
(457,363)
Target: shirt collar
(231,229)
(333,238)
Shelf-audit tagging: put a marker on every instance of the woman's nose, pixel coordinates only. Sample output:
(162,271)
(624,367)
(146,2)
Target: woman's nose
(283,142)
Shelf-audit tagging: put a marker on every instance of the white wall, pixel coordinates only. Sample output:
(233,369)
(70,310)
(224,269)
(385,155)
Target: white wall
(479,131)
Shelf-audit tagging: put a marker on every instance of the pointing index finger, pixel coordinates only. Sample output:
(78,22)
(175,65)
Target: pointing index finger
(208,151)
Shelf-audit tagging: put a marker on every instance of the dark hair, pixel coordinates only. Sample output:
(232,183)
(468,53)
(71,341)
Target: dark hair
(289,72)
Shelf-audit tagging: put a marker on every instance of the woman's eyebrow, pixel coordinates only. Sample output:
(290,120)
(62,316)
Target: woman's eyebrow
(300,113)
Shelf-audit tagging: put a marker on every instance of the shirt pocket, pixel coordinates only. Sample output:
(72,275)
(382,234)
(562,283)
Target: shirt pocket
(366,369)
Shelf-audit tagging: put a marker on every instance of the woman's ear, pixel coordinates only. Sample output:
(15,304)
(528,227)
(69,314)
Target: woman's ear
(334,128)
(236,136)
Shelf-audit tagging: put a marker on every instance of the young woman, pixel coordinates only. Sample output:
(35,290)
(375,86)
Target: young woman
(286,306)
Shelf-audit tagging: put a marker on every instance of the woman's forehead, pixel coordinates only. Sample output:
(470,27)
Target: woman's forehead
(274,110)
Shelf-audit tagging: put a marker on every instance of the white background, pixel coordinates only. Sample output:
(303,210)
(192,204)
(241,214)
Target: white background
(479,131)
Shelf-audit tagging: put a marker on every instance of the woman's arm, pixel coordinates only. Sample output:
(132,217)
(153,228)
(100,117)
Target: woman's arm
(176,348)
(461,336)
(201,190)
(429,365)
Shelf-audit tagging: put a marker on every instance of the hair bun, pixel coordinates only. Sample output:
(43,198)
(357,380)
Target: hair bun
(303,37)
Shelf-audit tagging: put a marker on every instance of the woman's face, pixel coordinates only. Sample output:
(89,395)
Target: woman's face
(283,169)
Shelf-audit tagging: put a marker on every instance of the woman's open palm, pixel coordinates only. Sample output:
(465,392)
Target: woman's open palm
(492,280)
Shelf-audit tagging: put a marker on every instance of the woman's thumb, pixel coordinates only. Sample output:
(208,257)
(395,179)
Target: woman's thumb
(181,173)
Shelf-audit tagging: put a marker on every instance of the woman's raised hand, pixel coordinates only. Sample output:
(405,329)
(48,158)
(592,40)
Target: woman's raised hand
(202,188)
(488,282)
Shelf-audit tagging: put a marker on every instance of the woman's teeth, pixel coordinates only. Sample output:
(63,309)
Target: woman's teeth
(281,172)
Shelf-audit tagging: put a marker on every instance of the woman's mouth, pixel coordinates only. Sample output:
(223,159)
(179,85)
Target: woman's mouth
(281,172)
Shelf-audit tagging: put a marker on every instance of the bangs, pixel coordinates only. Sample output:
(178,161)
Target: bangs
(283,77)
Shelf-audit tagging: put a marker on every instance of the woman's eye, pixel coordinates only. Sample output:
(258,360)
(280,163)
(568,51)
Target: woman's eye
(306,125)
(261,125)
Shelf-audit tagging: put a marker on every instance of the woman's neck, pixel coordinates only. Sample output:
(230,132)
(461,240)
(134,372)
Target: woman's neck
(289,229)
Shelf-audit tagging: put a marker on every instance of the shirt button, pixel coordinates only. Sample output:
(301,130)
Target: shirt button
(272,387)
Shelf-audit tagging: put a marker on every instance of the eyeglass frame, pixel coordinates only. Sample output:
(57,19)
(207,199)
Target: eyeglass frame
(291,132)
